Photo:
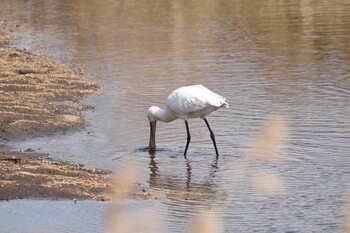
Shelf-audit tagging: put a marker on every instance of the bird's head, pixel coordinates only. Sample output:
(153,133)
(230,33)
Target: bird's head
(151,114)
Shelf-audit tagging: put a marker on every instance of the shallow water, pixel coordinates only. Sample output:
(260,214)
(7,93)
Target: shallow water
(268,58)
(52,216)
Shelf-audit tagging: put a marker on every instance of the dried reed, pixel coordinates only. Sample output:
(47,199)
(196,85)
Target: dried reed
(267,148)
(123,220)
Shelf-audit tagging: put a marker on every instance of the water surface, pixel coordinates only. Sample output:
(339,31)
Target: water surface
(266,58)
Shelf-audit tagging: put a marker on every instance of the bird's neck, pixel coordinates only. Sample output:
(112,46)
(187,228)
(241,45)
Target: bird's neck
(164,115)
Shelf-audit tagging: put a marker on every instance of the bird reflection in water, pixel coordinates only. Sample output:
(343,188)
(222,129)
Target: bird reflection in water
(184,186)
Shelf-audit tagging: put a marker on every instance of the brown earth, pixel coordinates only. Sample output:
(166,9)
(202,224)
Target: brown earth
(39,97)
(32,176)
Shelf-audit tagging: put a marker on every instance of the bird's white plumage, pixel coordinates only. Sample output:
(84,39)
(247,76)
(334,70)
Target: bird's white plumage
(194,101)
(186,102)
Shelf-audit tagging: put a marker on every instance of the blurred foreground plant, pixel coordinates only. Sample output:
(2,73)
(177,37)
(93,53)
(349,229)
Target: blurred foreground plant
(126,221)
(266,148)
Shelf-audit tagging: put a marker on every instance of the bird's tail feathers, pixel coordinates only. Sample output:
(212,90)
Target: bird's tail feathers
(225,104)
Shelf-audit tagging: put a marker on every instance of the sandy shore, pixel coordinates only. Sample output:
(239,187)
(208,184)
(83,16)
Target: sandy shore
(39,97)
(32,176)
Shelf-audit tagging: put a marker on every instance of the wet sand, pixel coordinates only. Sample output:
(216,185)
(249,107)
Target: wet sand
(39,97)
(33,176)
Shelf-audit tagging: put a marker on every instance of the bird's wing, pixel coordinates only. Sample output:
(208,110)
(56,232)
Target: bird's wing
(186,100)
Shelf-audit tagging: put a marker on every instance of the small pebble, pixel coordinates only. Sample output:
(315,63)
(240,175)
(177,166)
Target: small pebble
(29,150)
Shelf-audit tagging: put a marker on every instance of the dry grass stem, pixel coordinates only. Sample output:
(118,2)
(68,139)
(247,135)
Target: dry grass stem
(123,184)
(266,147)
(269,141)
(126,221)
(144,220)
(206,223)
(268,182)
(346,224)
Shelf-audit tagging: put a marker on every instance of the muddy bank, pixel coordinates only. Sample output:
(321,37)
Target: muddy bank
(39,97)
(33,176)
(29,175)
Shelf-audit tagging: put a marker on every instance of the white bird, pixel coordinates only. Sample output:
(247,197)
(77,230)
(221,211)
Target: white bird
(186,102)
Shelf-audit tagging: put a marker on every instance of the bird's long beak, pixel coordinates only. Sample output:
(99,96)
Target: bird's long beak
(152,138)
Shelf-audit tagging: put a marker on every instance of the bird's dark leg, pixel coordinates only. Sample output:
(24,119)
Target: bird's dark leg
(212,138)
(188,138)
